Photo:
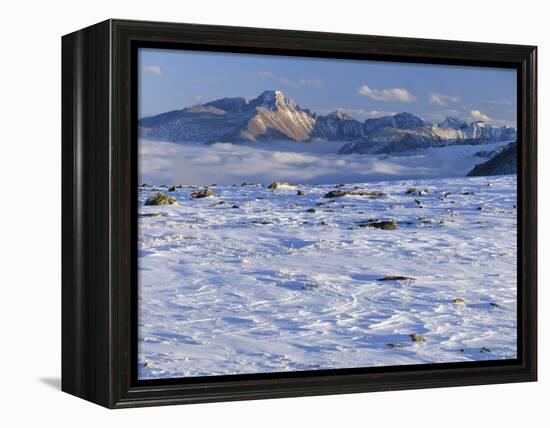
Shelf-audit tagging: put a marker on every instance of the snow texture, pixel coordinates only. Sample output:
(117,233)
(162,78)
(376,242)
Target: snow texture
(256,280)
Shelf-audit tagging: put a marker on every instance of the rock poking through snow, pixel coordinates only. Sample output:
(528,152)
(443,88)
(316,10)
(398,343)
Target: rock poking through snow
(205,193)
(160,199)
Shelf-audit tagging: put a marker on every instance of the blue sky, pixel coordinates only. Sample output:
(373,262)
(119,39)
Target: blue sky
(174,79)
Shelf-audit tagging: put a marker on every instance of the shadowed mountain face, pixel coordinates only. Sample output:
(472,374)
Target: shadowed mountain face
(271,116)
(504,161)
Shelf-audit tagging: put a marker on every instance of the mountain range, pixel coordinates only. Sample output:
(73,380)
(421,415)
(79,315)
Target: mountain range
(271,116)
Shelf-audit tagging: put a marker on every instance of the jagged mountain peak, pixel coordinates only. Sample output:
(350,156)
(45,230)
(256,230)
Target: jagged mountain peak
(274,100)
(235,104)
(453,123)
(272,116)
(405,115)
(339,114)
(407,121)
(271,94)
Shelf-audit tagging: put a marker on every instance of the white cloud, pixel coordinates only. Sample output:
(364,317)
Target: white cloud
(377,113)
(307,163)
(152,69)
(388,95)
(301,82)
(477,115)
(498,102)
(311,82)
(442,99)
(288,82)
(264,74)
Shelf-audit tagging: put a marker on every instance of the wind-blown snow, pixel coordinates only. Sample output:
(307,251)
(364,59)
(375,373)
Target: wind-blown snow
(270,287)
(308,163)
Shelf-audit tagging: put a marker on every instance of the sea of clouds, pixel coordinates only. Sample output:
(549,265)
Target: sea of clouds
(304,163)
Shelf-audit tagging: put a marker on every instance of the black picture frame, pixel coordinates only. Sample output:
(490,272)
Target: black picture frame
(99,213)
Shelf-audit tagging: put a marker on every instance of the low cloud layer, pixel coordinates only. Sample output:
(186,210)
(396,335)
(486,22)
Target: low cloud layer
(305,163)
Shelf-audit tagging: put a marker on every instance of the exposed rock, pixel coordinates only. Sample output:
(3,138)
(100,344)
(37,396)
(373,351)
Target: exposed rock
(280,184)
(485,350)
(172,189)
(271,116)
(311,210)
(395,345)
(160,199)
(503,162)
(340,193)
(396,278)
(447,194)
(417,338)
(384,225)
(235,206)
(459,301)
(262,222)
(205,193)
(405,132)
(300,193)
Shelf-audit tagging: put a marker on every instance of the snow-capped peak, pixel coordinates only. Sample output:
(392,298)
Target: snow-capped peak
(453,123)
(339,114)
(273,100)
(407,121)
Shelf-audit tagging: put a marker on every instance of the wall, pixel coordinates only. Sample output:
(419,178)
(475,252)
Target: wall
(30,211)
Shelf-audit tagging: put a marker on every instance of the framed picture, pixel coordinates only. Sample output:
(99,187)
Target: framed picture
(253,213)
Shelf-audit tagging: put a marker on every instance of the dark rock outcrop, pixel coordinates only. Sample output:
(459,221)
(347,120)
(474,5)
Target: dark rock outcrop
(340,193)
(160,199)
(384,225)
(505,161)
(205,193)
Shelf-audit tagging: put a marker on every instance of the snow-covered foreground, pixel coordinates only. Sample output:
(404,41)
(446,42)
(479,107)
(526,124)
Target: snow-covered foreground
(249,281)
